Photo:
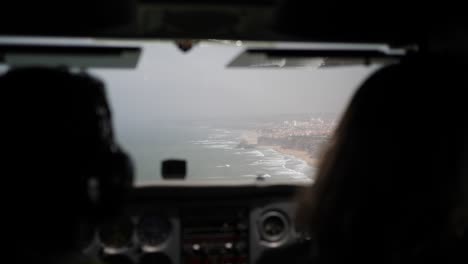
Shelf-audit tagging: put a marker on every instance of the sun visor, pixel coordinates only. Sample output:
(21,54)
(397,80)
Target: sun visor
(316,58)
(70,56)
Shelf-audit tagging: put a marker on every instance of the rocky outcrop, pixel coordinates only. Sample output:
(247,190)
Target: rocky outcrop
(245,144)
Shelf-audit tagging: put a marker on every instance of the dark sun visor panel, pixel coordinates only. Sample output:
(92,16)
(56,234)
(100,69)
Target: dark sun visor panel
(71,56)
(284,58)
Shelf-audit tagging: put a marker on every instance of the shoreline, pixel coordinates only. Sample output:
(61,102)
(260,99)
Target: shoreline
(251,137)
(299,154)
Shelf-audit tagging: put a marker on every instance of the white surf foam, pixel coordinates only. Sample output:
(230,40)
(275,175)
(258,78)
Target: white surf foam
(269,163)
(213,142)
(255,153)
(226,147)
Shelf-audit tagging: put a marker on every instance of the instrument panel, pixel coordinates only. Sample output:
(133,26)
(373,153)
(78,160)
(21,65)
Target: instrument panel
(215,235)
(198,225)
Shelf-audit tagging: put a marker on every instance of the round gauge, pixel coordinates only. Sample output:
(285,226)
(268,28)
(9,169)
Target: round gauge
(153,230)
(116,233)
(273,226)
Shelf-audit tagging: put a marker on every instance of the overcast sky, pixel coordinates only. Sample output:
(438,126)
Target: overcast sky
(169,84)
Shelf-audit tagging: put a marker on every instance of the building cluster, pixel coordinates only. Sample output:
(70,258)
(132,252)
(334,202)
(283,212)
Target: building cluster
(314,126)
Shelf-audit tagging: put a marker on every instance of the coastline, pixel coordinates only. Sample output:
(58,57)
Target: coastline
(251,137)
(303,155)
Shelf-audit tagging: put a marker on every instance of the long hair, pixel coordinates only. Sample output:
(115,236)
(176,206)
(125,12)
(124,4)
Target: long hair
(391,176)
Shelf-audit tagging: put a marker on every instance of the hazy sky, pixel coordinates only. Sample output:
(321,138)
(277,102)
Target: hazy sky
(169,84)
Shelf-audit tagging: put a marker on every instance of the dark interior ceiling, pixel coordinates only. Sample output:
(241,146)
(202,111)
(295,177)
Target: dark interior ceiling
(396,22)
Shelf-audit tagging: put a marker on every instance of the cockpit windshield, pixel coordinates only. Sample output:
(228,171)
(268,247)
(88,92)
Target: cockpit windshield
(228,123)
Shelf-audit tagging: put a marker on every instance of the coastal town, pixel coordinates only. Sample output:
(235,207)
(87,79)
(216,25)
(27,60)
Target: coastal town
(314,126)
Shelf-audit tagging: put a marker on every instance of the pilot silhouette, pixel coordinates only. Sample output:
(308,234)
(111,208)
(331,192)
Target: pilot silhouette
(68,172)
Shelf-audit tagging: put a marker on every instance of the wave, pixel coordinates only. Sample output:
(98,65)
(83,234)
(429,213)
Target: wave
(255,153)
(213,142)
(278,164)
(226,147)
(290,172)
(223,131)
(215,177)
(268,162)
(262,161)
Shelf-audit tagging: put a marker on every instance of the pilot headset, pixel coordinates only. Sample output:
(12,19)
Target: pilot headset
(111,170)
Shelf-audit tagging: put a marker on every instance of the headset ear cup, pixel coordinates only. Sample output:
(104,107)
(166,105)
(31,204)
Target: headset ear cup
(115,183)
(122,174)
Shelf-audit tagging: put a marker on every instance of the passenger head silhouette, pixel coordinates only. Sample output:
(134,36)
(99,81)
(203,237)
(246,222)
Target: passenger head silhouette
(390,186)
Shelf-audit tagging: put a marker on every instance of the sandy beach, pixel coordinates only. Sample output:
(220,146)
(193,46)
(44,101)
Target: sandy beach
(303,155)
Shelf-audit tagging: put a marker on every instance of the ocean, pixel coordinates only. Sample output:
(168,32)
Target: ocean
(212,153)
